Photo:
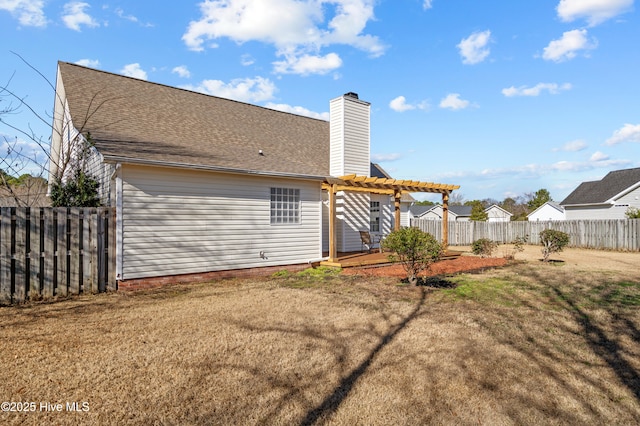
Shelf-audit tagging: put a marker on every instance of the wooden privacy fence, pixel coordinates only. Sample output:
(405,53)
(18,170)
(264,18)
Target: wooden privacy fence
(611,234)
(47,252)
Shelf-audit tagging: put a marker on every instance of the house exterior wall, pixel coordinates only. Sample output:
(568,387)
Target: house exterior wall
(594,212)
(495,214)
(546,212)
(352,216)
(631,199)
(178,221)
(350,136)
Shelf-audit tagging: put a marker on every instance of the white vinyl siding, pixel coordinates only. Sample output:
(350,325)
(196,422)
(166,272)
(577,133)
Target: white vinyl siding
(180,221)
(352,216)
(350,137)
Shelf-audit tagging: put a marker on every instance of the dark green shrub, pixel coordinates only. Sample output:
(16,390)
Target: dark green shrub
(552,242)
(483,247)
(81,191)
(416,250)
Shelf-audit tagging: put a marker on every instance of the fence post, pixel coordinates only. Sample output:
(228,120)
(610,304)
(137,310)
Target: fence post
(35,250)
(5,255)
(62,252)
(20,255)
(74,250)
(48,253)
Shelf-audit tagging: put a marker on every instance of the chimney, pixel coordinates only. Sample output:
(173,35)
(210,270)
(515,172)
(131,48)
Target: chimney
(349,135)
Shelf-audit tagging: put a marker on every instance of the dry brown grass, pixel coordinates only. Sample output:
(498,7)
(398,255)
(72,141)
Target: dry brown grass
(530,343)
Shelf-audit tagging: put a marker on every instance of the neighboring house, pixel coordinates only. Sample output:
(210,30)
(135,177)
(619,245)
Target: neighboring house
(203,184)
(456,212)
(548,211)
(496,213)
(608,198)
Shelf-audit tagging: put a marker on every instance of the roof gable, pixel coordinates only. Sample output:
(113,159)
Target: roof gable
(498,209)
(612,186)
(138,121)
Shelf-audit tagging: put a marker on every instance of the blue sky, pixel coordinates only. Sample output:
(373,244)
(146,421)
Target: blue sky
(500,97)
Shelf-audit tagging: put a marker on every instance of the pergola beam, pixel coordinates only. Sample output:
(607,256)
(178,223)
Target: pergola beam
(387,186)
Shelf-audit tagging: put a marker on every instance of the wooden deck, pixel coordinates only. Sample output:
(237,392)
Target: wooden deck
(375,258)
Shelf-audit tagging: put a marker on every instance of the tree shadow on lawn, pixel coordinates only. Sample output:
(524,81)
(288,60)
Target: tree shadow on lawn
(301,388)
(560,369)
(565,365)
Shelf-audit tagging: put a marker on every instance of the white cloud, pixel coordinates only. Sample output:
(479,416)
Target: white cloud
(247,60)
(599,156)
(594,11)
(552,88)
(573,146)
(257,89)
(452,101)
(567,47)
(308,64)
(400,104)
(473,49)
(427,4)
(29,13)
(628,133)
(122,15)
(75,16)
(383,158)
(91,63)
(182,71)
(296,28)
(135,71)
(298,110)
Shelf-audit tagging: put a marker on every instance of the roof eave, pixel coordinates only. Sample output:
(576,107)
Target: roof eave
(175,165)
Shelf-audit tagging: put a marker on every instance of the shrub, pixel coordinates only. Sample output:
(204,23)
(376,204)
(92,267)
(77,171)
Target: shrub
(552,242)
(518,247)
(81,191)
(632,213)
(416,250)
(483,247)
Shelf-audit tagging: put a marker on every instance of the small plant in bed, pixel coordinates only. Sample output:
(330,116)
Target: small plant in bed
(415,249)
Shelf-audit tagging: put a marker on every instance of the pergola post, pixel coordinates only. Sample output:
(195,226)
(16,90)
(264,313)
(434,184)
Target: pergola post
(333,235)
(397,195)
(445,221)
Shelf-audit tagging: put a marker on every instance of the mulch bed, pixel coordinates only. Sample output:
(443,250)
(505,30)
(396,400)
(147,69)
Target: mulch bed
(460,264)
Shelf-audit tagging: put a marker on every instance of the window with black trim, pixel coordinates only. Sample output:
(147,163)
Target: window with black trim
(285,205)
(374,216)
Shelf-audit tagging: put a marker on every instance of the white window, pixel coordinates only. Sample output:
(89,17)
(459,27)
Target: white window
(374,216)
(285,205)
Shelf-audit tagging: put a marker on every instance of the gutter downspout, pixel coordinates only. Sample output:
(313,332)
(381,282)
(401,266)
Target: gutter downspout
(117,176)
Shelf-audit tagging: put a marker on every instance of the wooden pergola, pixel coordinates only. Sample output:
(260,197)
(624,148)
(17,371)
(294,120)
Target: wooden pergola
(375,185)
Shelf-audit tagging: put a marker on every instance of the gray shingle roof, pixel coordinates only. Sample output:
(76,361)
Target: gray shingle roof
(459,210)
(135,120)
(600,191)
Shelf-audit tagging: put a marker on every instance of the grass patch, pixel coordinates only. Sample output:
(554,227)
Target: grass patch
(619,294)
(484,290)
(524,344)
(307,278)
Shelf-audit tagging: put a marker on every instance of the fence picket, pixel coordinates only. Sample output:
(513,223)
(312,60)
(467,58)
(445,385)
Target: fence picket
(61,251)
(20,255)
(6,267)
(610,234)
(34,251)
(48,254)
(74,251)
